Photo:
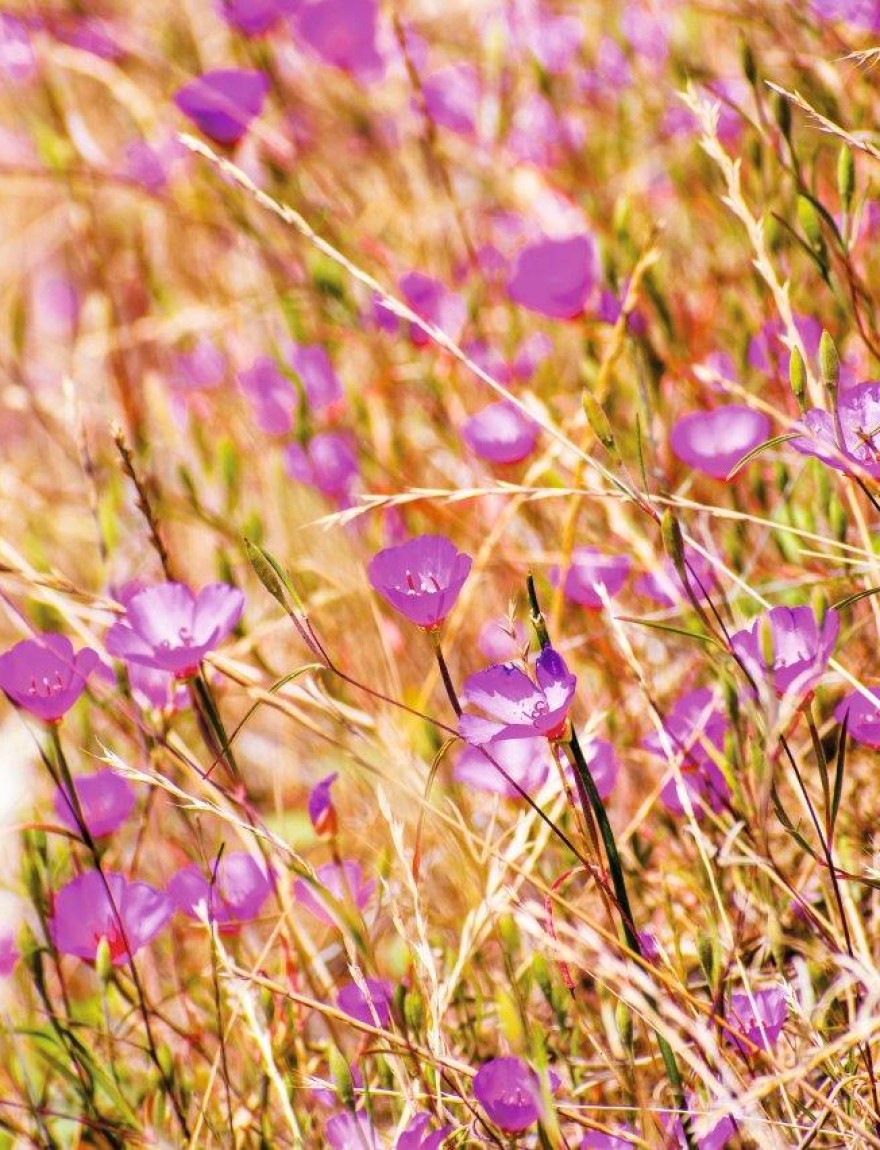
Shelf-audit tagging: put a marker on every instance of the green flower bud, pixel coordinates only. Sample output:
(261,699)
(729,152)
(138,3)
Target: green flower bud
(797,374)
(829,362)
(598,421)
(706,953)
(846,177)
(810,222)
(624,1021)
(103,960)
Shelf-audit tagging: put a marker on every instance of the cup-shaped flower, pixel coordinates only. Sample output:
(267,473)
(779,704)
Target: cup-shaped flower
(709,1133)
(270,395)
(343,882)
(156,690)
(664,585)
(500,642)
(510,1093)
(342,33)
(432,301)
(555,277)
(848,439)
(44,676)
(373,1007)
(715,441)
(603,763)
(223,103)
(328,462)
(105,800)
(421,578)
(759,1017)
(321,810)
(518,707)
(500,433)
(863,717)
(417,1136)
(315,371)
(236,895)
(526,761)
(127,914)
(171,629)
(799,648)
(592,574)
(252,17)
(347,1131)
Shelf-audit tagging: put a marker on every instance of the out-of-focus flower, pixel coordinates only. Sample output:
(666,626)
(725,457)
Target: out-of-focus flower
(510,1093)
(555,277)
(432,301)
(591,574)
(496,642)
(861,14)
(8,955)
(418,1137)
(270,394)
(343,34)
(541,135)
(156,690)
(128,914)
(799,648)
(603,763)
(252,17)
(664,586)
(319,381)
(201,367)
(849,439)
(236,895)
(18,62)
(346,1131)
(710,1133)
(596,1140)
(223,103)
(375,1004)
(343,882)
(759,1016)
(715,441)
(44,676)
(519,708)
(500,433)
(171,629)
(421,578)
(532,352)
(769,354)
(105,799)
(452,98)
(527,761)
(328,463)
(863,717)
(695,730)
(321,810)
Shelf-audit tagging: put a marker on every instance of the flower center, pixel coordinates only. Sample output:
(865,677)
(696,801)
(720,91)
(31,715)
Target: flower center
(46,687)
(115,941)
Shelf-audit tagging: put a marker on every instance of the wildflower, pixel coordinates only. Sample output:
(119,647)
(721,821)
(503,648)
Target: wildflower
(421,579)
(695,724)
(500,433)
(372,1007)
(710,1133)
(519,708)
(105,800)
(252,17)
(417,1137)
(234,894)
(767,352)
(527,761)
(342,33)
(861,14)
(321,810)
(328,462)
(433,302)
(44,676)
(603,763)
(759,1017)
(223,103)
(269,392)
(342,881)
(590,574)
(510,1093)
(596,1140)
(18,62)
(496,641)
(346,1131)
(314,369)
(200,367)
(800,648)
(849,439)
(128,914)
(9,955)
(664,585)
(554,277)
(452,98)
(863,714)
(153,689)
(171,629)
(715,441)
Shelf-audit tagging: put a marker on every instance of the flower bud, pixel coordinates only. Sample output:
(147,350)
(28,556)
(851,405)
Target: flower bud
(846,177)
(509,932)
(103,960)
(624,1021)
(829,362)
(598,420)
(673,541)
(809,221)
(414,1011)
(340,1072)
(748,62)
(509,1021)
(797,374)
(782,115)
(706,953)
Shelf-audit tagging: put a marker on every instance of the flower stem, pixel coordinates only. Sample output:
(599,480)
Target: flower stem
(444,673)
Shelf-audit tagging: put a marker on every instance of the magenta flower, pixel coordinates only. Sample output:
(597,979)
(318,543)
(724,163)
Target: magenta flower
(421,578)
(9,955)
(759,1017)
(800,648)
(432,301)
(848,440)
(527,761)
(346,1131)
(496,642)
(603,763)
(105,799)
(596,1140)
(695,727)
(156,690)
(500,433)
(861,14)
(170,629)
(664,586)
(321,810)
(452,98)
(328,463)
(510,1093)
(767,352)
(715,441)
(18,62)
(201,367)
(555,277)
(864,717)
(710,1133)
(343,33)
(223,103)
(590,570)
(314,369)
(518,707)
(370,1007)
(343,883)
(128,915)
(270,395)
(252,17)
(418,1137)
(237,894)
(44,676)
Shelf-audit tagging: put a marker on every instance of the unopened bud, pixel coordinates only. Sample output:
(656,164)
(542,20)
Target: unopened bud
(809,221)
(624,1021)
(509,932)
(598,421)
(265,571)
(797,374)
(706,953)
(673,541)
(829,362)
(846,177)
(747,59)
(414,1011)
(103,960)
(782,114)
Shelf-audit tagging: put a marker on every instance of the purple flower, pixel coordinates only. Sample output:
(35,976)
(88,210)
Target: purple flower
(527,761)
(269,392)
(532,352)
(596,1140)
(105,799)
(848,440)
(452,97)
(201,367)
(664,586)
(421,579)
(344,883)
(417,1137)
(715,441)
(695,724)
(500,433)
(864,717)
(496,642)
(328,463)
(710,1134)
(510,1093)
(555,277)
(8,955)
(347,1131)
(519,708)
(591,571)
(342,33)
(252,17)
(156,690)
(239,889)
(320,382)
(127,914)
(861,14)
(603,763)
(759,1017)
(44,676)
(18,62)
(223,103)
(321,810)
(767,352)
(170,629)
(375,1004)
(799,648)
(432,301)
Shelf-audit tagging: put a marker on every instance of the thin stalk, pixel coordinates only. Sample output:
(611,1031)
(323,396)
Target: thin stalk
(444,673)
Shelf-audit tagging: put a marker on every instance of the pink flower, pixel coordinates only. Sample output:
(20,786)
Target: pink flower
(864,717)
(223,103)
(252,17)
(555,277)
(759,1017)
(270,394)
(328,463)
(432,301)
(715,441)
(799,648)
(695,728)
(510,1093)
(344,883)
(496,642)
(767,352)
(346,1131)
(237,893)
(9,955)
(343,33)
(664,585)
(156,690)
(201,367)
(127,914)
(374,1007)
(527,761)
(321,810)
(591,571)
(603,763)
(105,799)
(596,1140)
(319,381)
(170,629)
(452,97)
(519,708)
(44,676)
(849,439)
(421,579)
(417,1137)
(500,433)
